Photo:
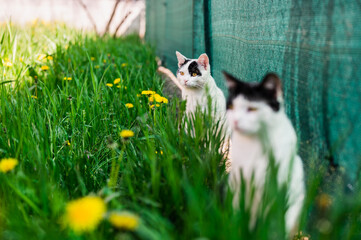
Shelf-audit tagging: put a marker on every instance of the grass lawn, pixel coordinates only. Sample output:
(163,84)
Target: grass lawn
(65,99)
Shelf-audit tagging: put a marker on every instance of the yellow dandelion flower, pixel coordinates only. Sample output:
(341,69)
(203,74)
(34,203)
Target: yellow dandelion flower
(117,80)
(50,58)
(67,142)
(124,220)
(161,152)
(66,46)
(84,214)
(158,98)
(7,64)
(108,54)
(138,95)
(129,105)
(164,100)
(124,64)
(8,164)
(125,87)
(156,105)
(35,97)
(118,86)
(96,66)
(41,57)
(92,58)
(69,79)
(126,133)
(104,61)
(44,67)
(109,84)
(148,92)
(21,59)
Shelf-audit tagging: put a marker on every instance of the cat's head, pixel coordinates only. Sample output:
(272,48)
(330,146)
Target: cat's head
(193,73)
(251,105)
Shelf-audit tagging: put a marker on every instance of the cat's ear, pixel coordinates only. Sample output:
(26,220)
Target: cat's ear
(272,82)
(203,60)
(181,59)
(231,81)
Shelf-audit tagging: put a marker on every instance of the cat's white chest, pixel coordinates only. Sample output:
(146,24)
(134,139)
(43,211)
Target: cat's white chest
(194,99)
(247,156)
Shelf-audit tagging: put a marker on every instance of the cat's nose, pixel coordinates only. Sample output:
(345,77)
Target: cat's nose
(235,122)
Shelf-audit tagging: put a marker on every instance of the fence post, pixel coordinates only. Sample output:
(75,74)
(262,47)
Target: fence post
(208,29)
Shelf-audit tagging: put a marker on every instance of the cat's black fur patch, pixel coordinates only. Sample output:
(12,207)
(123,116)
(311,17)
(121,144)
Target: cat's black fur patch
(185,61)
(253,91)
(193,68)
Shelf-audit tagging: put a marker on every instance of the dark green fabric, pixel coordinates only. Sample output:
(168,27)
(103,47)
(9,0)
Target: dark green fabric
(315,46)
(172,29)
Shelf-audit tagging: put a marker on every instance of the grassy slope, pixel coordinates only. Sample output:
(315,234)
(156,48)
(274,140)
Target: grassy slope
(178,194)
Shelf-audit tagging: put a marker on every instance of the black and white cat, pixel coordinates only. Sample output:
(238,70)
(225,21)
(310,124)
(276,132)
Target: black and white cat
(195,78)
(255,111)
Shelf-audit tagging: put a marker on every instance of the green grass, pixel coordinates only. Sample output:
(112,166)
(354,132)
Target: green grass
(66,138)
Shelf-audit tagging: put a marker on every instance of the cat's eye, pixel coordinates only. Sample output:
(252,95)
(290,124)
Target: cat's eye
(252,109)
(230,107)
(181,73)
(194,74)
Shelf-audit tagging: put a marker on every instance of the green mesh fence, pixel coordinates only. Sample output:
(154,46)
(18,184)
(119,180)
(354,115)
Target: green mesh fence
(315,46)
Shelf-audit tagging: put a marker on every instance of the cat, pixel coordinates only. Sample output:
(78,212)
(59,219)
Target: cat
(197,84)
(195,77)
(255,110)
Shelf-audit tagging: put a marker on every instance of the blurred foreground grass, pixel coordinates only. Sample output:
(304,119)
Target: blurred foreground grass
(65,99)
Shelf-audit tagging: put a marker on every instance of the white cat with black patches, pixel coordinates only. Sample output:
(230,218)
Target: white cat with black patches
(256,115)
(195,77)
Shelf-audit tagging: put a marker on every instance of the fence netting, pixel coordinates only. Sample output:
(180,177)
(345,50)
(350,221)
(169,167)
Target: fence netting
(315,46)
